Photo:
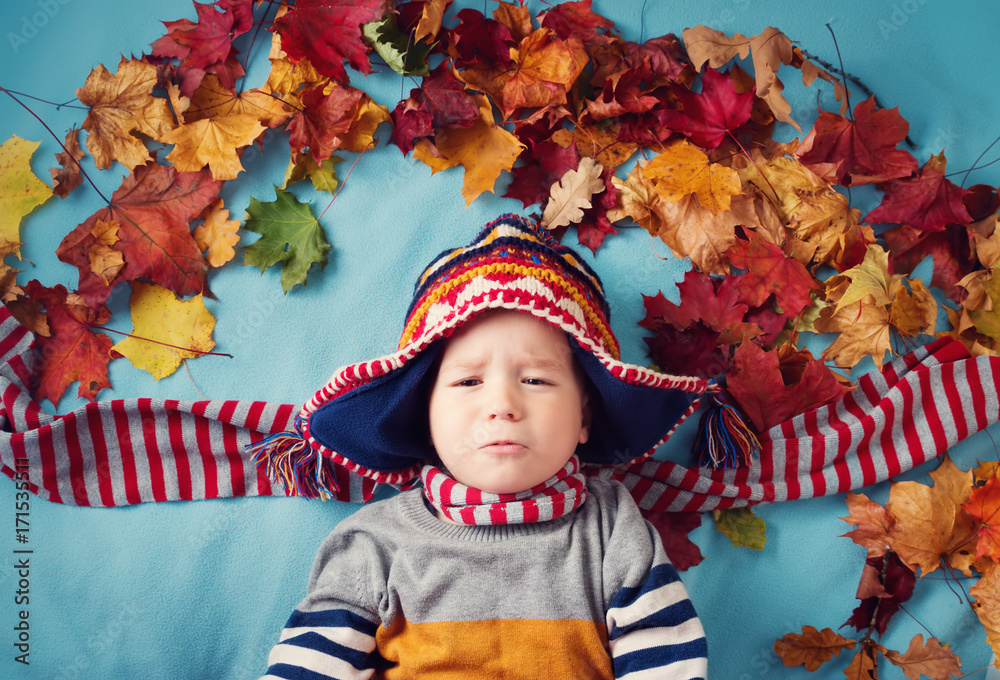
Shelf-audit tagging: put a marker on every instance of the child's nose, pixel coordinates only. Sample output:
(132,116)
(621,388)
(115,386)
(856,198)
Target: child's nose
(504,402)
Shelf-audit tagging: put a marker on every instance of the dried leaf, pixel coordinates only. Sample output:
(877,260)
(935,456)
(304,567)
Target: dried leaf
(67,178)
(572,193)
(811,648)
(217,234)
(683,169)
(930,658)
(20,190)
(873,521)
(741,526)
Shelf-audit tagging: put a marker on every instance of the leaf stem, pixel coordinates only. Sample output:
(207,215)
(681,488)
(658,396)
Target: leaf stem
(847,91)
(58,141)
(46,101)
(340,188)
(157,342)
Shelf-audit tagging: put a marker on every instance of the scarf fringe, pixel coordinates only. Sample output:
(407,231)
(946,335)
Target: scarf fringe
(725,440)
(288,459)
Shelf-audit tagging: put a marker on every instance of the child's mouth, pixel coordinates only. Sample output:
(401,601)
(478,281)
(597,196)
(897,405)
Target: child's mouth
(502,447)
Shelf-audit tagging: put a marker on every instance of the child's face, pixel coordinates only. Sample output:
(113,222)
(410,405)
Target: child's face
(507,408)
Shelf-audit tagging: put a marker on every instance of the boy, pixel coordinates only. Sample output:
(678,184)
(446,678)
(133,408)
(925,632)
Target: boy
(507,561)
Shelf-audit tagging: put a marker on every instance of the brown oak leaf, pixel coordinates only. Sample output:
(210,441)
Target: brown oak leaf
(811,648)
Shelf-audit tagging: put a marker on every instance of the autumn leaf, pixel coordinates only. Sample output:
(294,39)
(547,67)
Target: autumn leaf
(713,301)
(322,175)
(122,104)
(770,49)
(600,143)
(674,528)
(741,526)
(886,582)
(575,18)
(708,116)
(987,606)
(870,278)
(72,351)
(213,100)
(770,393)
(484,149)
(20,190)
(67,177)
(949,249)
(984,505)
(682,169)
(811,648)
(290,234)
(440,101)
(862,331)
(770,271)
(328,33)
(154,207)
(864,664)
(105,261)
(478,39)
(873,523)
(572,193)
(214,142)
(932,659)
(931,525)
(538,168)
(707,45)
(863,151)
(983,313)
(217,234)
(541,70)
(165,330)
(405,55)
(926,202)
(430,19)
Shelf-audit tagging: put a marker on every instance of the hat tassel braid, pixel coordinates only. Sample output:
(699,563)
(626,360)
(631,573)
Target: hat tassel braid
(288,458)
(724,438)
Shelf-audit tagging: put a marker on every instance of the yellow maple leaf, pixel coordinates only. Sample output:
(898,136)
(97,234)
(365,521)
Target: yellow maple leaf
(484,149)
(870,278)
(685,225)
(214,100)
(20,190)
(863,330)
(683,169)
(600,143)
(217,234)
(174,326)
(367,116)
(213,142)
(430,19)
(323,175)
(120,104)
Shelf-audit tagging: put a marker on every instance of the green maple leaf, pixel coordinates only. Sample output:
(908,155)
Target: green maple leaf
(402,56)
(742,527)
(290,234)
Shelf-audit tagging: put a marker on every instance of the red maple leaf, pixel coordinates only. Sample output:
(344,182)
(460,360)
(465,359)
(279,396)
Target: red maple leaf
(328,32)
(479,40)
(674,528)
(948,248)
(538,168)
(595,225)
(927,202)
(864,150)
(706,117)
(770,390)
(693,350)
(625,91)
(72,351)
(770,271)
(153,207)
(439,101)
(714,302)
(883,587)
(323,120)
(206,46)
(575,18)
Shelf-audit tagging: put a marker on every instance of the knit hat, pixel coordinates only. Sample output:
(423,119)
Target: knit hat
(371,418)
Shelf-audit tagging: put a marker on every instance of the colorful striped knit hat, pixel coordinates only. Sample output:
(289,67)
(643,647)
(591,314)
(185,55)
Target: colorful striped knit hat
(371,417)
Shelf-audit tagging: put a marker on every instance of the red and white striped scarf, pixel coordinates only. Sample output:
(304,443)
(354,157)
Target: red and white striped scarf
(126,451)
(558,495)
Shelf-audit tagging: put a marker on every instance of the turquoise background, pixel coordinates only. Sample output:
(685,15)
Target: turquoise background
(201,590)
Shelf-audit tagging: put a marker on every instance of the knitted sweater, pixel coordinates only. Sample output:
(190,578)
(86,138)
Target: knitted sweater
(397,593)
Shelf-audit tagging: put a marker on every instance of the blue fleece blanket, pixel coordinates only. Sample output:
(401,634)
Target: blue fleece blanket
(201,590)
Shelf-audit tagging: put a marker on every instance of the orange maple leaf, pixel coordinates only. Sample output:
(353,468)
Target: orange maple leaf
(541,71)
(931,524)
(683,169)
(811,648)
(984,505)
(484,149)
(67,178)
(873,521)
(214,142)
(120,105)
(217,234)
(987,605)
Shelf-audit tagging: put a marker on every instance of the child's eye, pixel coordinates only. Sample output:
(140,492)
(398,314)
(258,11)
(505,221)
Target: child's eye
(466,382)
(536,381)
